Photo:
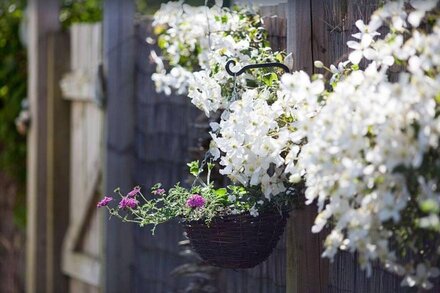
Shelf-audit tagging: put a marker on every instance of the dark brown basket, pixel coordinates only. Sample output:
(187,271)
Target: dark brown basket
(237,241)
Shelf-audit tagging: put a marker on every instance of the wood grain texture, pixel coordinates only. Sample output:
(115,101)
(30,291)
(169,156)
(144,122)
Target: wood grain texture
(58,150)
(43,20)
(275,22)
(333,25)
(82,247)
(163,134)
(306,271)
(119,143)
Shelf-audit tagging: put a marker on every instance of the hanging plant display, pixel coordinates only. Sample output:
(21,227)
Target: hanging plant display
(236,226)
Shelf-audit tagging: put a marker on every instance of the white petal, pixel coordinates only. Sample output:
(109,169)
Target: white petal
(333,69)
(370,54)
(366,40)
(388,60)
(424,5)
(353,45)
(289,62)
(415,17)
(355,57)
(375,23)
(360,25)
(317,87)
(214,126)
(357,36)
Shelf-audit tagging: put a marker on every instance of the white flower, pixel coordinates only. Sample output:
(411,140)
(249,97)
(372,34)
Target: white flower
(318,64)
(295,178)
(207,36)
(350,142)
(421,7)
(363,47)
(253,211)
(232,198)
(205,92)
(364,133)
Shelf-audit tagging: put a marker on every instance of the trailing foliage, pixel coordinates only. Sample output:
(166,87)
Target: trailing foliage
(202,201)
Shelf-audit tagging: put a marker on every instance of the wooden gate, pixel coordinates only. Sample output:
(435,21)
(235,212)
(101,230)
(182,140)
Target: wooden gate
(82,86)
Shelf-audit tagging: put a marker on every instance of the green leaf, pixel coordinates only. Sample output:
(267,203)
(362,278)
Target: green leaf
(162,43)
(269,78)
(279,57)
(429,206)
(221,192)
(194,168)
(156,186)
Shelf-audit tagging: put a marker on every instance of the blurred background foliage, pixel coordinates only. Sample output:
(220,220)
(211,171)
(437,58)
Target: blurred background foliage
(13,83)
(13,76)
(13,87)
(13,80)
(73,11)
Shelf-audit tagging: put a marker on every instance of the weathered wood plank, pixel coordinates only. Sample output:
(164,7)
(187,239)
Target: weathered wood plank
(333,25)
(58,150)
(119,123)
(162,137)
(306,271)
(81,84)
(83,243)
(43,20)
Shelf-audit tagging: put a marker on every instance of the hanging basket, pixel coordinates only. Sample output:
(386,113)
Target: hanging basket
(237,241)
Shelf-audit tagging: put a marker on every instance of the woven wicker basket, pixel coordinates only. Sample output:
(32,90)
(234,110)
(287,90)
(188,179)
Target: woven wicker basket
(237,241)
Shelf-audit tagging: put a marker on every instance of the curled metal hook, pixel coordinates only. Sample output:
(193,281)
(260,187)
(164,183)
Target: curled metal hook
(251,66)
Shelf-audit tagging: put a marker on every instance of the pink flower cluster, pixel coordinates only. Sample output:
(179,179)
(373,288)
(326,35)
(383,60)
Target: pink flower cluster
(196,201)
(134,192)
(128,202)
(105,201)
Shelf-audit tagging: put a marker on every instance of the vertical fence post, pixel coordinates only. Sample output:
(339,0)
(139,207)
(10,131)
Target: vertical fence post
(43,20)
(119,124)
(58,163)
(306,271)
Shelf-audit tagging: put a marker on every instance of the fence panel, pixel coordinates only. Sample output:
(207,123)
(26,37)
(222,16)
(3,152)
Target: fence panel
(83,242)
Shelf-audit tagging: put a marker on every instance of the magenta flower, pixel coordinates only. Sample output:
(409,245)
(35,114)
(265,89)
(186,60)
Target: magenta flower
(105,201)
(134,192)
(128,202)
(159,191)
(196,201)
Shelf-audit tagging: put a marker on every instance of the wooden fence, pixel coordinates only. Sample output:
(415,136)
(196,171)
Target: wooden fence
(136,136)
(82,88)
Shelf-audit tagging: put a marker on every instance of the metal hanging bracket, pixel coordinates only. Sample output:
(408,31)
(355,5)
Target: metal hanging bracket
(252,66)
